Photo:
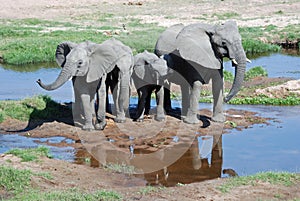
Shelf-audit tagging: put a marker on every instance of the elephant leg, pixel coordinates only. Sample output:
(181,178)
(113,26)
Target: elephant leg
(185,95)
(122,99)
(192,112)
(217,89)
(167,99)
(148,92)
(77,106)
(160,114)
(87,102)
(142,93)
(100,112)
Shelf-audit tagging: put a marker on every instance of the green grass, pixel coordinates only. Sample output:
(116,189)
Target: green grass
(34,41)
(17,186)
(276,178)
(228,76)
(257,71)
(264,100)
(13,180)
(32,154)
(120,168)
(225,16)
(35,108)
(68,195)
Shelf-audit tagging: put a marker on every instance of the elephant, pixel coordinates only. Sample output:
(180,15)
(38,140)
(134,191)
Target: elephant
(149,74)
(89,65)
(196,53)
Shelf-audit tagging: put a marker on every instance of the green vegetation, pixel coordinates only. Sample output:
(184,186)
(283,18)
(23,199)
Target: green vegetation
(264,100)
(35,108)
(149,189)
(257,71)
(225,16)
(13,180)
(120,168)
(69,194)
(34,41)
(228,76)
(30,154)
(278,178)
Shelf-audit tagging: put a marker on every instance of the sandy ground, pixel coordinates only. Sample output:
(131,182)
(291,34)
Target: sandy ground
(165,13)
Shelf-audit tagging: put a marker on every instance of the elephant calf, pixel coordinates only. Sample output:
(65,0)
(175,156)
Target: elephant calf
(89,64)
(149,74)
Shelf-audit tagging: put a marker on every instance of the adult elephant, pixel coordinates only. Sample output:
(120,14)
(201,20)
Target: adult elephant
(196,52)
(149,74)
(88,64)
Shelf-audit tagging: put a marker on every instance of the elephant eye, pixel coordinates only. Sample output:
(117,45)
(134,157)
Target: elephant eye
(80,62)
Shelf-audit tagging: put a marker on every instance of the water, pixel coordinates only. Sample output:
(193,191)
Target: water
(8,142)
(20,82)
(277,65)
(265,147)
(260,148)
(18,85)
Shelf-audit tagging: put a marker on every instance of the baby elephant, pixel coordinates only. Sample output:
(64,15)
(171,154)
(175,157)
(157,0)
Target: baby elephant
(149,74)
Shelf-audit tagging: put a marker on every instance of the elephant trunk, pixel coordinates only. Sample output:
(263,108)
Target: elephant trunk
(62,78)
(240,69)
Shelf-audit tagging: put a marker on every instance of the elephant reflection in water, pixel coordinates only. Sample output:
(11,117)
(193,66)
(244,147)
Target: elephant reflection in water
(190,167)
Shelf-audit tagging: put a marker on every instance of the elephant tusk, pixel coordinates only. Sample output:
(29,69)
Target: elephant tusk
(234,61)
(248,60)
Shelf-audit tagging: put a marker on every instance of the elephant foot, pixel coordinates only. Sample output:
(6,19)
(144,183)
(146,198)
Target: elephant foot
(120,120)
(160,118)
(218,118)
(191,120)
(100,125)
(138,119)
(88,127)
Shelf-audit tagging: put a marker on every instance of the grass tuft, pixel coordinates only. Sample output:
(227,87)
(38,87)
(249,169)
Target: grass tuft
(69,194)
(31,154)
(13,180)
(35,108)
(276,178)
(257,71)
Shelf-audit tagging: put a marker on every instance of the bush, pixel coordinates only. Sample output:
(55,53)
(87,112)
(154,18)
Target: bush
(257,71)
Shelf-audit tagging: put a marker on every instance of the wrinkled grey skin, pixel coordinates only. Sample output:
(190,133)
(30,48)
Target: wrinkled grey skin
(149,74)
(88,64)
(196,52)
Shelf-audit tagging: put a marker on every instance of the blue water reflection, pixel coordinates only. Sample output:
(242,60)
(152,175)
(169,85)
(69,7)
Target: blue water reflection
(265,147)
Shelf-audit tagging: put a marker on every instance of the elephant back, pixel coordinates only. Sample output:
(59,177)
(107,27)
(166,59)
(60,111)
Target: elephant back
(125,56)
(166,41)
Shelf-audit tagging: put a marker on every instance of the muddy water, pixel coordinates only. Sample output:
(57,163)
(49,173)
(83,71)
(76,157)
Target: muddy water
(259,148)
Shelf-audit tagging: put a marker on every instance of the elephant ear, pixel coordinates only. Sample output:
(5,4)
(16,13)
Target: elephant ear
(166,41)
(62,50)
(156,63)
(194,45)
(103,59)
